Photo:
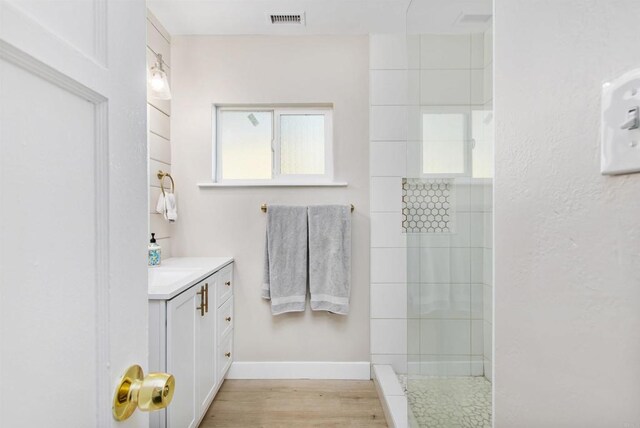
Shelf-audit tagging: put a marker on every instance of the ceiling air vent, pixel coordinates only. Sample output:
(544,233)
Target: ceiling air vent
(291,18)
(471,19)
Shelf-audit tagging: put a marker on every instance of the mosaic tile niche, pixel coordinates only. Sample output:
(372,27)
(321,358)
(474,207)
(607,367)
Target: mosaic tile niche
(428,205)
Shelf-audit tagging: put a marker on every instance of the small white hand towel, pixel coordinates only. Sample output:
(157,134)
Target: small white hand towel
(167,206)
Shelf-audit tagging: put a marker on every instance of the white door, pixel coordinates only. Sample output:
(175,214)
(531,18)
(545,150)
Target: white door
(73,202)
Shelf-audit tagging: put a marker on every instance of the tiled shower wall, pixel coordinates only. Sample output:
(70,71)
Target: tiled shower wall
(390,105)
(446,304)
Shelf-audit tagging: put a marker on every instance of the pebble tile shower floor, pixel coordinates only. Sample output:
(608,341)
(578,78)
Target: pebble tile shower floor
(449,402)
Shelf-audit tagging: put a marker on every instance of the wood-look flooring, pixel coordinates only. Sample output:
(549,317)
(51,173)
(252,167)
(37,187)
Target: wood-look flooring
(295,403)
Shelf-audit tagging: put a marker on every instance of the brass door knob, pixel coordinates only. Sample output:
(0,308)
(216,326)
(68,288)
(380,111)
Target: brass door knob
(147,393)
(228,319)
(227,354)
(228,283)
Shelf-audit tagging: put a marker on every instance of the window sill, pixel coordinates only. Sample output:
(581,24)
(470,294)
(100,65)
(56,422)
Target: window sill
(331,184)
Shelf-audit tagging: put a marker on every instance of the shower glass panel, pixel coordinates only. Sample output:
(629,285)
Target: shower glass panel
(447,218)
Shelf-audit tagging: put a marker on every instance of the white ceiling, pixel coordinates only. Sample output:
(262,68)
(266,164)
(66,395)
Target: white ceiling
(322,16)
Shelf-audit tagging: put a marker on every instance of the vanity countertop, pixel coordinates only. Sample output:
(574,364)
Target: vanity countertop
(177,274)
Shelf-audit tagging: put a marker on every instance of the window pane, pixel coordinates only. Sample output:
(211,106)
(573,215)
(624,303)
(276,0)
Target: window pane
(302,144)
(245,138)
(443,142)
(482,132)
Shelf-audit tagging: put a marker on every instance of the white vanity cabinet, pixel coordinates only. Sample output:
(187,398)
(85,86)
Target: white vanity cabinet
(191,337)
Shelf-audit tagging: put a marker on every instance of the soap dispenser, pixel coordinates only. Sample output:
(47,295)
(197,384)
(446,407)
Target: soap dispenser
(155,252)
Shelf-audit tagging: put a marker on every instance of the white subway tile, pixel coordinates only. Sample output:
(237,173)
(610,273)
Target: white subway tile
(487,266)
(386,230)
(445,51)
(414,261)
(477,87)
(413,84)
(445,365)
(413,51)
(488,370)
(477,265)
(413,336)
(389,87)
(450,301)
(388,159)
(414,158)
(477,365)
(487,303)
(386,194)
(389,300)
(388,123)
(388,265)
(477,301)
(477,343)
(388,336)
(445,87)
(445,265)
(477,224)
(488,340)
(488,46)
(477,50)
(445,337)
(488,83)
(387,52)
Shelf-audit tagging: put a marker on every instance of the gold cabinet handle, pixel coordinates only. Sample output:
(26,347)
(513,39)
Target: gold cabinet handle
(147,393)
(228,319)
(228,283)
(227,354)
(202,306)
(206,297)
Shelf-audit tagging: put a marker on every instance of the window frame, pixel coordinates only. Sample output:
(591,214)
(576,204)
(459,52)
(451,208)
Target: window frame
(276,177)
(468,142)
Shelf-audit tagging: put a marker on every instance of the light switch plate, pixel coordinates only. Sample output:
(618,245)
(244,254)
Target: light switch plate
(620,145)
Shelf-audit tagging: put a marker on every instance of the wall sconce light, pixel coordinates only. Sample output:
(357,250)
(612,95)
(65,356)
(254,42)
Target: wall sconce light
(158,82)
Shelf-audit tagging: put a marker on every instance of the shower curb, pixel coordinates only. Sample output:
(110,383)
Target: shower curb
(392,397)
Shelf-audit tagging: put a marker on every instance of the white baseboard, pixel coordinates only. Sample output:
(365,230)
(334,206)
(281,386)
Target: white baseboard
(352,370)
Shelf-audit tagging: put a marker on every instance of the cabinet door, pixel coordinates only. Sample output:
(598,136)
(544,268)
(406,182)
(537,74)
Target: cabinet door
(206,347)
(183,320)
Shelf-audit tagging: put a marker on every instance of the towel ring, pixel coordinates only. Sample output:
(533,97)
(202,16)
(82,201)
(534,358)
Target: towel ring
(161,175)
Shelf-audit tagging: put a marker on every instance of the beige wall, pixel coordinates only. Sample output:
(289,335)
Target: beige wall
(567,239)
(228,221)
(158,135)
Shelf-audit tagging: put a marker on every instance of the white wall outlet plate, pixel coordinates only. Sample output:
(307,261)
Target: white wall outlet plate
(621,125)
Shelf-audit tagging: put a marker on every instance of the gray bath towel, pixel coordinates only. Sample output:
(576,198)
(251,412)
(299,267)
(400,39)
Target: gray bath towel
(330,257)
(285,268)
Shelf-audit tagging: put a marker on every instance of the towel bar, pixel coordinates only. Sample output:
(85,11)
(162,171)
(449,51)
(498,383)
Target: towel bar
(263,207)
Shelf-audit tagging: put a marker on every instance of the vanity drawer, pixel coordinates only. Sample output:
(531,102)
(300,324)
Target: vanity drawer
(224,355)
(225,318)
(225,284)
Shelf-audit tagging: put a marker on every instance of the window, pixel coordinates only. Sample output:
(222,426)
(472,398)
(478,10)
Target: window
(273,145)
(457,141)
(445,143)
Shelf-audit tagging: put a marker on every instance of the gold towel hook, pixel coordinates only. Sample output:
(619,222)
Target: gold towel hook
(161,175)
